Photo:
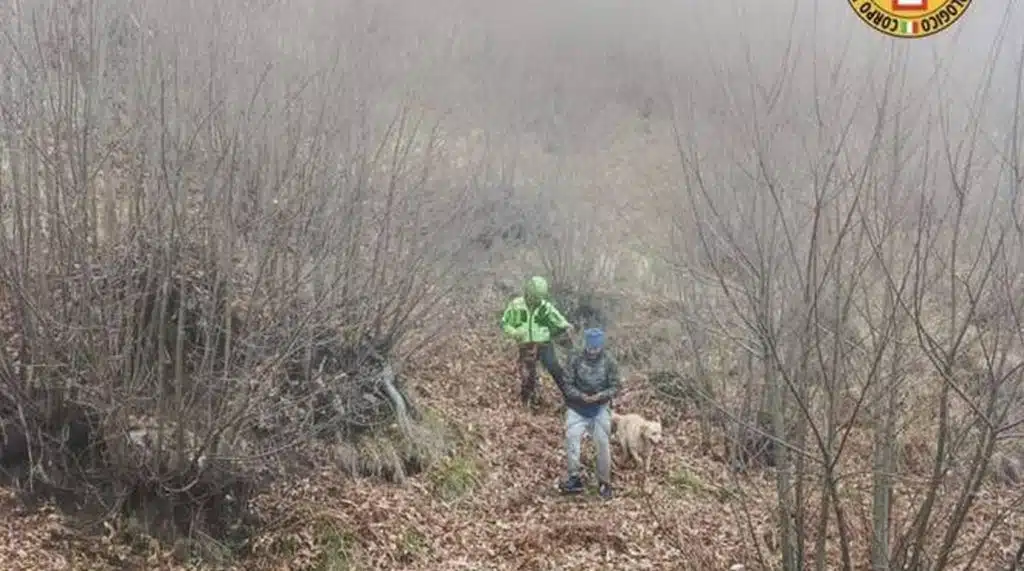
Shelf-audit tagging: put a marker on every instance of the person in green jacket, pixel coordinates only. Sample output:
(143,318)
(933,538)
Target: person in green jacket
(532,321)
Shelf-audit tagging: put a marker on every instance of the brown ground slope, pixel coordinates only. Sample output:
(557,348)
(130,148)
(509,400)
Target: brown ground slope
(514,518)
(507,516)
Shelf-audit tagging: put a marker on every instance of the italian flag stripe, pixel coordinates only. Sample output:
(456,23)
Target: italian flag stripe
(908,27)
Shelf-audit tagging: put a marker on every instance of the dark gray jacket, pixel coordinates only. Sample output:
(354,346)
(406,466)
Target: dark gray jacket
(590,376)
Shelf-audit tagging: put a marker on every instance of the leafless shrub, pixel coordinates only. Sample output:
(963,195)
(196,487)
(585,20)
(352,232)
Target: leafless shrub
(571,249)
(211,276)
(861,249)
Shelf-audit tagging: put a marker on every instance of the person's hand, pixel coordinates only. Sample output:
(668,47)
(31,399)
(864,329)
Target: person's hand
(591,399)
(565,336)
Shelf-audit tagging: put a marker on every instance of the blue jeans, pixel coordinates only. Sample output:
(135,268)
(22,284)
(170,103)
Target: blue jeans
(600,428)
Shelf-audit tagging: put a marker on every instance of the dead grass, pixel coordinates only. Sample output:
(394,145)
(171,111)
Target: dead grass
(339,550)
(455,477)
(395,452)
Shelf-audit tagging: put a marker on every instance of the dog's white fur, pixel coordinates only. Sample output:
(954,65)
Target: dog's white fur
(638,436)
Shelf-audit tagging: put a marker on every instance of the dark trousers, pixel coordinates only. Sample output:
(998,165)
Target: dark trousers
(528,356)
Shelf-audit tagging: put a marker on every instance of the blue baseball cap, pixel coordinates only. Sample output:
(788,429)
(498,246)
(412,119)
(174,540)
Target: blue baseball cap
(593,338)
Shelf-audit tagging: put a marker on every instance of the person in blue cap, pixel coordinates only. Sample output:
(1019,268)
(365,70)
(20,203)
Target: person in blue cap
(591,382)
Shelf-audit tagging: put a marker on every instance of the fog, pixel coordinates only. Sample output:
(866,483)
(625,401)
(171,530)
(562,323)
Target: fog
(585,99)
(576,100)
(579,57)
(566,71)
(360,177)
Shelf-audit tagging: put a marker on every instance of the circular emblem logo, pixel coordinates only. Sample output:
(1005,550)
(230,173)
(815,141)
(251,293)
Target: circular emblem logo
(910,18)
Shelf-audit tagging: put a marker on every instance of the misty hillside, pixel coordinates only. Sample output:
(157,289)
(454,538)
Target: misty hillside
(255,254)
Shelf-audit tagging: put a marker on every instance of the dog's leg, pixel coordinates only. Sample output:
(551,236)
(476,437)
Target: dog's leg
(636,456)
(627,449)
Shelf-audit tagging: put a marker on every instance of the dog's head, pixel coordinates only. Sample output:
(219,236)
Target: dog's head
(652,431)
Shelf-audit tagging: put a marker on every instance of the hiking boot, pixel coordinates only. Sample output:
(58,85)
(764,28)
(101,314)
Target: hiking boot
(605,490)
(572,485)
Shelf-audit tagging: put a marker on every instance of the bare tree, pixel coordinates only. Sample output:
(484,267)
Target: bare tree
(217,251)
(855,244)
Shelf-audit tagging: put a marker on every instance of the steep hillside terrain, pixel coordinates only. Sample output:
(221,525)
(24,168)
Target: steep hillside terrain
(491,505)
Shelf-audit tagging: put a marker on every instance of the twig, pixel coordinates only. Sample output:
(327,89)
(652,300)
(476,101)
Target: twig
(675,538)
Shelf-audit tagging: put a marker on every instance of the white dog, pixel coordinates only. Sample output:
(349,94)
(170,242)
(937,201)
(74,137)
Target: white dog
(638,436)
